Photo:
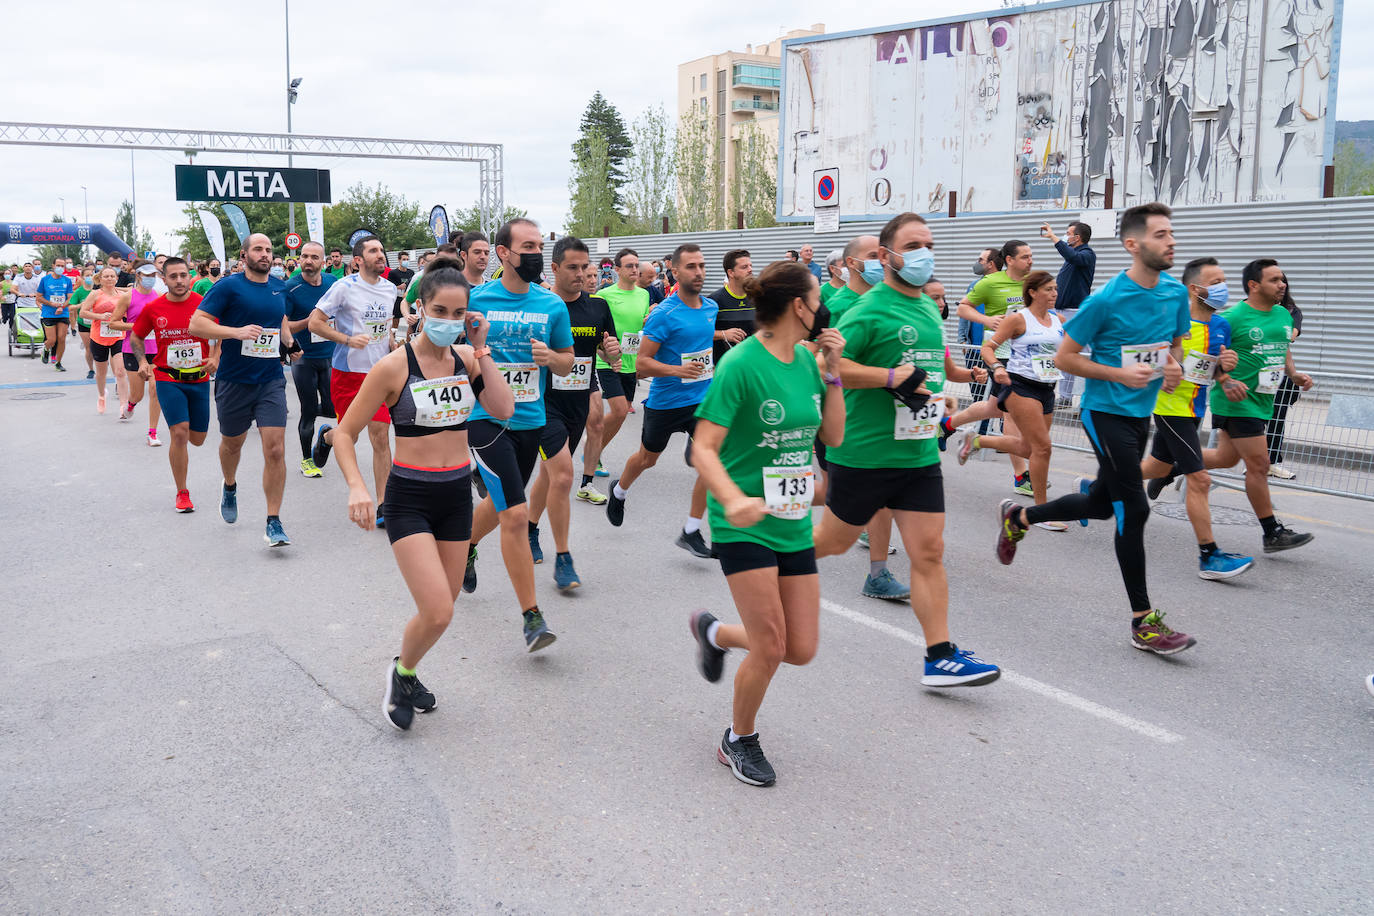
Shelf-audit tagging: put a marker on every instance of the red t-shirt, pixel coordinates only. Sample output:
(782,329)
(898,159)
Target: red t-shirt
(176,348)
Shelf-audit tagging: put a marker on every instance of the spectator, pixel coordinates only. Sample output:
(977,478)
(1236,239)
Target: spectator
(791,255)
(839,274)
(1285,397)
(1075,281)
(807,255)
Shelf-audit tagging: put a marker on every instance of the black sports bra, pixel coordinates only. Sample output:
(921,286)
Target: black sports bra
(427,406)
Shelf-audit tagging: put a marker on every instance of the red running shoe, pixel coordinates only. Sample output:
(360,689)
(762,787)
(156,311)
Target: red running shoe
(184,501)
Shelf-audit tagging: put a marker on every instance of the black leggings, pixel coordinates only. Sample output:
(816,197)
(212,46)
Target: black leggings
(1283,399)
(312,388)
(1119,443)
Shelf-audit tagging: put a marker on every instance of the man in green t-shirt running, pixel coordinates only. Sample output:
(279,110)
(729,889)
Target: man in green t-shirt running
(1243,402)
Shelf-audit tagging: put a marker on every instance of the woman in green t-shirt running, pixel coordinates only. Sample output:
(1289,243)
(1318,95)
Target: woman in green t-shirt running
(771,398)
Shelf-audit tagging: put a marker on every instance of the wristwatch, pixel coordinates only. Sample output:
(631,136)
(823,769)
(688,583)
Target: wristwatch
(479,352)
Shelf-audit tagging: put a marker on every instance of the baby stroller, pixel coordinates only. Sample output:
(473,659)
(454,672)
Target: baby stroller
(26,330)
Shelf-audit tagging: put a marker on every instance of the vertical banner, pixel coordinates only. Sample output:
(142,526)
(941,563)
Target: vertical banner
(314,221)
(438,224)
(238,219)
(214,234)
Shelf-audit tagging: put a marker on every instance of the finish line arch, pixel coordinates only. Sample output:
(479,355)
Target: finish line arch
(64,234)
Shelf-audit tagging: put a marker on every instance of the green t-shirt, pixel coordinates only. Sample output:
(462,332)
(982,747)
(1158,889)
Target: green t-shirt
(629,308)
(887,328)
(841,302)
(998,294)
(413,290)
(772,410)
(1260,340)
(827,291)
(75,301)
(202,286)
(336,272)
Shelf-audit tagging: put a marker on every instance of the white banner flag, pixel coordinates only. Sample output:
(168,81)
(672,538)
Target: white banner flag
(314,219)
(213,233)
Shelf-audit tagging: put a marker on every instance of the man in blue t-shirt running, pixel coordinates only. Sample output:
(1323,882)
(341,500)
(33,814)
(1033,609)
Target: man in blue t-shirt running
(311,372)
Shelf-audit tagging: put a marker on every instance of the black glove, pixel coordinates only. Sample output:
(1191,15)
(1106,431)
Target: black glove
(906,391)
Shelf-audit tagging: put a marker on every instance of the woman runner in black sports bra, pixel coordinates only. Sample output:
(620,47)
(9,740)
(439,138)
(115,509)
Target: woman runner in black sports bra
(430,386)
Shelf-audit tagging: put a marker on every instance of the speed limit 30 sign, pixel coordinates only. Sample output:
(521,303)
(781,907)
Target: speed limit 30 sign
(293,241)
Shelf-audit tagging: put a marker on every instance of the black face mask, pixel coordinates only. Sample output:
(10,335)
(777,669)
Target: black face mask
(214,271)
(531,266)
(819,323)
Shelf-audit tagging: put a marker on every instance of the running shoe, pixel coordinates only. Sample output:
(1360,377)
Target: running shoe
(319,453)
(100,402)
(308,469)
(601,470)
(1369,683)
(1153,636)
(45,356)
(60,367)
(564,576)
(1023,486)
(695,544)
(946,430)
(470,574)
(398,704)
(630,409)
(964,446)
(1155,487)
(1281,472)
(1052,526)
(228,504)
(275,535)
(480,484)
(1285,538)
(184,501)
(1008,535)
(537,633)
(589,494)
(885,585)
(615,506)
(1084,485)
(536,552)
(710,660)
(745,759)
(1221,565)
(153,440)
(962,669)
(380,521)
(90,374)
(124,412)
(863,542)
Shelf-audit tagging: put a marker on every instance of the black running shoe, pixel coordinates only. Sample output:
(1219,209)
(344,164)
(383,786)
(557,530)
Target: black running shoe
(615,506)
(481,486)
(695,544)
(470,574)
(398,703)
(537,633)
(420,697)
(745,759)
(1155,487)
(1285,538)
(319,452)
(710,660)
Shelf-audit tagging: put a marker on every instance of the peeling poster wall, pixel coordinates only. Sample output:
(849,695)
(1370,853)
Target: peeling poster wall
(1191,102)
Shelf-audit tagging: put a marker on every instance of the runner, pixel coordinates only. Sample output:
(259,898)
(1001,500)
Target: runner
(530,336)
(311,372)
(107,342)
(52,292)
(209,277)
(595,428)
(894,348)
(1242,404)
(248,311)
(567,400)
(675,351)
(8,296)
(183,367)
(735,320)
(1135,327)
(1027,383)
(837,275)
(629,304)
(126,313)
(428,387)
(1176,449)
(336,265)
(475,252)
(82,326)
(401,277)
(769,396)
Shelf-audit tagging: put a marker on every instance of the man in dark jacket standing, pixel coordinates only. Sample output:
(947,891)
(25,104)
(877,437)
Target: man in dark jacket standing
(1075,282)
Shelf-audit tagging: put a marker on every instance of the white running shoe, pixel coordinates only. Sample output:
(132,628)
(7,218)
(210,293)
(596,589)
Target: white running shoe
(153,440)
(1281,472)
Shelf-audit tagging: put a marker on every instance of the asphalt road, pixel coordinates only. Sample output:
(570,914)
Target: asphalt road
(191,722)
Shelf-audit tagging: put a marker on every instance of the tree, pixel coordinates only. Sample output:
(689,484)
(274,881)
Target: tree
(601,118)
(755,189)
(592,198)
(648,190)
(1354,170)
(696,166)
(470,219)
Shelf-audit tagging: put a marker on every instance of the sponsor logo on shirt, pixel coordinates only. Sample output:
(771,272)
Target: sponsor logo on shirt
(786,438)
(771,412)
(907,335)
(1257,333)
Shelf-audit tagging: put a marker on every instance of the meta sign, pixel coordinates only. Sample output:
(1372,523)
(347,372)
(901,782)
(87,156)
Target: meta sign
(215,182)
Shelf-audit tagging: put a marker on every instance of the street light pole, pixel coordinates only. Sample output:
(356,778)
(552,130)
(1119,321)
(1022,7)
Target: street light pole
(290,98)
(86,206)
(63,202)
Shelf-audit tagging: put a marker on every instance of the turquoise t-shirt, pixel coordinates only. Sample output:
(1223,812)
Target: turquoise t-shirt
(515,320)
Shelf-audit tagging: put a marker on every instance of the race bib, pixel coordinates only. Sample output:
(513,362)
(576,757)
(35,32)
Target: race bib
(1044,367)
(264,346)
(1270,377)
(579,378)
(58,300)
(523,379)
(629,344)
(1152,355)
(184,356)
(703,358)
(442,401)
(919,424)
(1198,368)
(108,332)
(377,330)
(788,490)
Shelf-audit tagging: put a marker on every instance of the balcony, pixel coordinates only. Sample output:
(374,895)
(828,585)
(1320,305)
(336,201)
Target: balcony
(752,105)
(757,75)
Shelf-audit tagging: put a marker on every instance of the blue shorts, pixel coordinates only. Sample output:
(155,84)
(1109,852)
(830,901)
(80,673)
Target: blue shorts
(185,402)
(240,404)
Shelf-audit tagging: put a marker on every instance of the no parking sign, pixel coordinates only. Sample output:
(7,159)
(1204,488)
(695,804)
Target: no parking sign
(826,188)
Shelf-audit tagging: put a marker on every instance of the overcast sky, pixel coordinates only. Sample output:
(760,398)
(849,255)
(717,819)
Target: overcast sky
(518,75)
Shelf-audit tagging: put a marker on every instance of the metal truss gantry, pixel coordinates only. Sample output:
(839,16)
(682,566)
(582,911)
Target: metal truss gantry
(488,156)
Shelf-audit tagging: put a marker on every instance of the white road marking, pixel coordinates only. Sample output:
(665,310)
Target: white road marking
(1073,700)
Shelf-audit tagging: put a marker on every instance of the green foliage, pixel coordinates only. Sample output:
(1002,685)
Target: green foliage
(1354,170)
(471,218)
(592,205)
(602,119)
(697,169)
(755,188)
(648,191)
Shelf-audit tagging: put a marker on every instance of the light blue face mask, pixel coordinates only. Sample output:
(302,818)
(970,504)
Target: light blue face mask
(872,272)
(1218,294)
(917,266)
(442,332)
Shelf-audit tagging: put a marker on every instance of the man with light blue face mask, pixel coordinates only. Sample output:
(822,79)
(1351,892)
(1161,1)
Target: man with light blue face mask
(865,271)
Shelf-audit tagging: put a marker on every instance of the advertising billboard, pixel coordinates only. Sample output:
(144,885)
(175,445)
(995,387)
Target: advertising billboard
(1034,108)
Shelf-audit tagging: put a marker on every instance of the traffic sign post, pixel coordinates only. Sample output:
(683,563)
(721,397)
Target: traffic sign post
(826,199)
(293,241)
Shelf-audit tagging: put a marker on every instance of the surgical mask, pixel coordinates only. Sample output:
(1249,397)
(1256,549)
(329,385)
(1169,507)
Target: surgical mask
(277,271)
(405,264)
(844,274)
(1218,294)
(917,266)
(979,270)
(146,281)
(819,322)
(88,280)
(214,271)
(872,272)
(530,266)
(443,332)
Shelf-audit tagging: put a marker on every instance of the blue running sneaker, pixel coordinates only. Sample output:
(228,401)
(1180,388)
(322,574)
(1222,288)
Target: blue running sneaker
(885,585)
(601,470)
(228,504)
(275,536)
(1084,484)
(537,633)
(1223,565)
(536,552)
(379,521)
(962,669)
(564,576)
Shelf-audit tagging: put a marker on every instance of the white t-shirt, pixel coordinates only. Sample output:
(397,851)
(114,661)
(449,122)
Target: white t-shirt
(27,290)
(358,307)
